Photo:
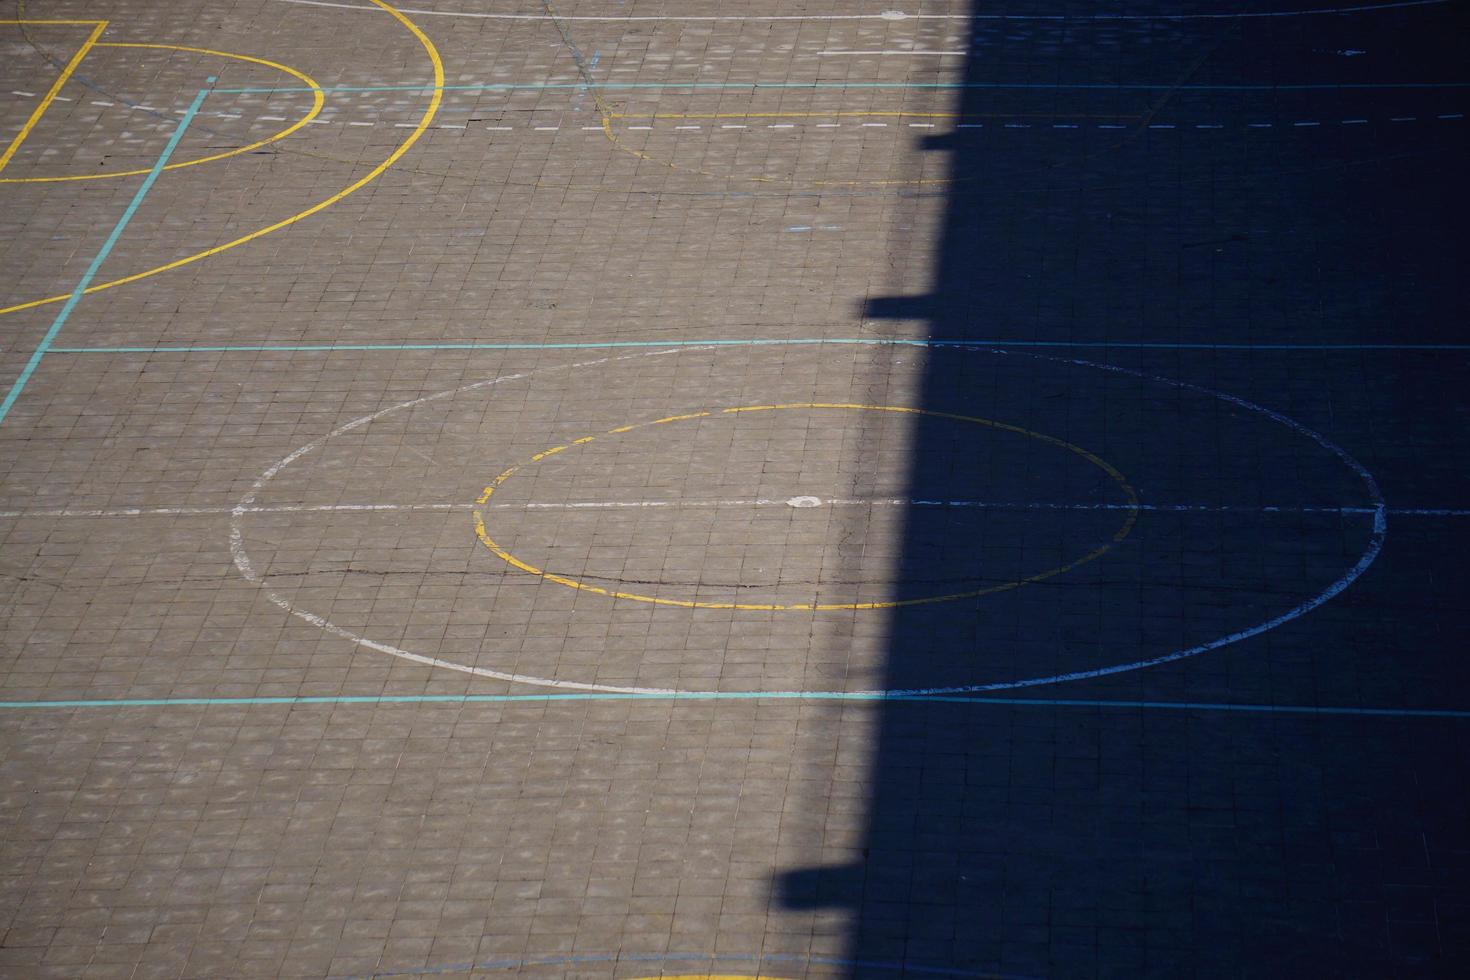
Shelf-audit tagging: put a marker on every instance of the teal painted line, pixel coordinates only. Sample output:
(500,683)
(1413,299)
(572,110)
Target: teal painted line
(91,273)
(747,342)
(751,86)
(861,696)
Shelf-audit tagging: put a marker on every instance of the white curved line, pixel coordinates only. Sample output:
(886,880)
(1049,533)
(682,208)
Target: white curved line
(1363,9)
(242,561)
(1379,511)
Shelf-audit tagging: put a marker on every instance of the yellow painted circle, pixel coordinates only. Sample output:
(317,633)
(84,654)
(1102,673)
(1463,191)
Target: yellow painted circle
(317,95)
(1130,518)
(427,119)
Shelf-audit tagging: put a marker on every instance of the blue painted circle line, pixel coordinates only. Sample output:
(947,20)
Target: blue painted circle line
(1377,512)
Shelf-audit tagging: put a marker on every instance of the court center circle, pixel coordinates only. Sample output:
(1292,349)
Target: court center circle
(1376,513)
(1130,513)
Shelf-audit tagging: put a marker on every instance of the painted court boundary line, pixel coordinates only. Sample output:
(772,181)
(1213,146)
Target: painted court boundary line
(203,511)
(752,86)
(102,253)
(860,696)
(67,70)
(743,342)
(895,15)
(622,957)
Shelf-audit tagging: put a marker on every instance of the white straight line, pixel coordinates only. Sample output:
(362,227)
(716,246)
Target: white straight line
(204,511)
(890,16)
(797,503)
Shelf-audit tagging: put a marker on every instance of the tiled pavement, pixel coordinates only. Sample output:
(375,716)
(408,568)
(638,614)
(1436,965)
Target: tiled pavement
(1204,281)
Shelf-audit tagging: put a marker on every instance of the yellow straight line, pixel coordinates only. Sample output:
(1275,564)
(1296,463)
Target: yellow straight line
(372,175)
(318,100)
(55,90)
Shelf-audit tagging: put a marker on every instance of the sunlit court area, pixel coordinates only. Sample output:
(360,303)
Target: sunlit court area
(766,490)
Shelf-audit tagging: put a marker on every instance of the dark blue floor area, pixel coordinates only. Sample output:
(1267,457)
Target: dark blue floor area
(1293,188)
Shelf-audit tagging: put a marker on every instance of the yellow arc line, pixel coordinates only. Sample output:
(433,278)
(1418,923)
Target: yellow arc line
(1129,520)
(56,86)
(319,99)
(418,131)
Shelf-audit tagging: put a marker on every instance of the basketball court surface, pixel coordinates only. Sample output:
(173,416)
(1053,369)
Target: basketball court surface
(668,488)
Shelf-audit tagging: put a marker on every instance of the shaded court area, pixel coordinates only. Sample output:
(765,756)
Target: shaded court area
(656,489)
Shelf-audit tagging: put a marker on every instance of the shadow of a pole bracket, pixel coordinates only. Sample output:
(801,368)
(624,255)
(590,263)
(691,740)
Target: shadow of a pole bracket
(899,308)
(835,886)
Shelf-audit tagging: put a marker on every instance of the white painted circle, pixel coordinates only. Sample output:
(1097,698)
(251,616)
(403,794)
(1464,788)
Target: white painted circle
(1378,513)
